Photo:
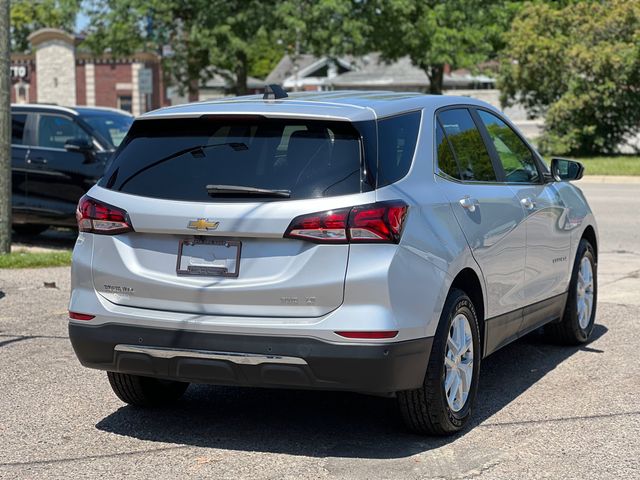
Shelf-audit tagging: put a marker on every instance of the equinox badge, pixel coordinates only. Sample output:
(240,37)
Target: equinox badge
(202,224)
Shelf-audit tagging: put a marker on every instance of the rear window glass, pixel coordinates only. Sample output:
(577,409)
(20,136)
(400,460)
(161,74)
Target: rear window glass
(179,159)
(397,138)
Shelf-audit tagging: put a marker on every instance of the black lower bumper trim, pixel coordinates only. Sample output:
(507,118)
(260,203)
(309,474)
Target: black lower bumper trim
(361,368)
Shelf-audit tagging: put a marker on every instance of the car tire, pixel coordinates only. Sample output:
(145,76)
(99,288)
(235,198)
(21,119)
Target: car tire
(428,409)
(29,228)
(145,391)
(579,315)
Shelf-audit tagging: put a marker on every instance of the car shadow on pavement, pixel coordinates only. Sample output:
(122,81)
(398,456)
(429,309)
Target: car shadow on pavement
(53,238)
(329,424)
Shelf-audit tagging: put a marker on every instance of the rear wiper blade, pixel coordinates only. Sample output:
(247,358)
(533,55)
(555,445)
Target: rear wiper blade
(222,190)
(197,152)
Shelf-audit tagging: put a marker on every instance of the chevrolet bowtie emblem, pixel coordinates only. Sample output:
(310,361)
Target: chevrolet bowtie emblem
(202,224)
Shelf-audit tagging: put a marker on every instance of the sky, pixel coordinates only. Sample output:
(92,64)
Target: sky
(81,22)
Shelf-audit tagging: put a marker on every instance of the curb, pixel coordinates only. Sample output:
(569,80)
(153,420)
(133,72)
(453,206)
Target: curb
(610,179)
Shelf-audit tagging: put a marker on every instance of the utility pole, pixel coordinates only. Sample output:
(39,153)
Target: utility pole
(5,130)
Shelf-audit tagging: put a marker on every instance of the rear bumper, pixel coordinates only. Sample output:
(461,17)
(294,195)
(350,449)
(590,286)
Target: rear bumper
(251,360)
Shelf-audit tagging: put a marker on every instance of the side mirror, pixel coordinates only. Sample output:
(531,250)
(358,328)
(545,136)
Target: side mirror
(564,170)
(78,145)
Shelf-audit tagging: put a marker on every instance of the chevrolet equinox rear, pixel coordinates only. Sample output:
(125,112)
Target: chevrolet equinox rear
(298,242)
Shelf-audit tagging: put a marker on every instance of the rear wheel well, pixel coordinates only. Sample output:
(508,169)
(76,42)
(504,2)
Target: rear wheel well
(469,283)
(589,235)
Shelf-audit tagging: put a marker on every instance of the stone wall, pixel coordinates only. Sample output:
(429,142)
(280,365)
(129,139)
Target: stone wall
(56,71)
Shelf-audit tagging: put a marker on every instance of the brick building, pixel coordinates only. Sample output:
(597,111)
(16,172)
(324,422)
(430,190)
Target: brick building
(59,71)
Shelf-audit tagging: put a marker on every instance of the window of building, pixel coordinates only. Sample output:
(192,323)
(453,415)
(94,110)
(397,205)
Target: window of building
(125,103)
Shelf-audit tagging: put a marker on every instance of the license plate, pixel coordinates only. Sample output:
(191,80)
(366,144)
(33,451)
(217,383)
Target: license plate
(209,257)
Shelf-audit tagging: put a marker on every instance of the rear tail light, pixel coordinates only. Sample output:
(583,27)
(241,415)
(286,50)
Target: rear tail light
(379,222)
(321,227)
(97,217)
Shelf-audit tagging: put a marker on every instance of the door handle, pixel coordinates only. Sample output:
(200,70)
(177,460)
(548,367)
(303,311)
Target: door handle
(528,203)
(37,161)
(469,203)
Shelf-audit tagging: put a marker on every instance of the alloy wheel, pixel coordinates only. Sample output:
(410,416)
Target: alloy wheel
(584,292)
(458,362)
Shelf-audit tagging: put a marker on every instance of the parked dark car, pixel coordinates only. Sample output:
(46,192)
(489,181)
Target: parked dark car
(57,154)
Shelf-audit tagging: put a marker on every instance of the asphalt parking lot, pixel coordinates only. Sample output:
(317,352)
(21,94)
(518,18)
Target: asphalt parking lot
(543,411)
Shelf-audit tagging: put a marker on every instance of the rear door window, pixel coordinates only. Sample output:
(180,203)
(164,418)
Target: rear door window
(55,130)
(178,159)
(397,138)
(468,148)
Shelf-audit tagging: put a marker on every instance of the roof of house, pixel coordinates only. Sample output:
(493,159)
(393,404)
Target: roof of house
(373,71)
(286,67)
(369,71)
(218,81)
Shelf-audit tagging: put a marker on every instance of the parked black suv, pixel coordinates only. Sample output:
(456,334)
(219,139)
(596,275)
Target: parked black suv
(57,154)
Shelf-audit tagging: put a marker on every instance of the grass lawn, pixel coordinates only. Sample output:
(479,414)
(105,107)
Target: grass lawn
(619,165)
(24,259)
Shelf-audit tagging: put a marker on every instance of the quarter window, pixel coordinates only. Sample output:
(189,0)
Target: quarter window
(18,123)
(515,156)
(54,131)
(397,138)
(446,161)
(468,148)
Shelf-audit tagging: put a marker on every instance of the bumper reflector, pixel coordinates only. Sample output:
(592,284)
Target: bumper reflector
(80,316)
(369,335)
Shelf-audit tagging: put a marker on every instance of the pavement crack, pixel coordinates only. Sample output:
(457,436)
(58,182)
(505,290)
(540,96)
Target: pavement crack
(12,340)
(20,338)
(561,419)
(89,457)
(633,274)
(621,252)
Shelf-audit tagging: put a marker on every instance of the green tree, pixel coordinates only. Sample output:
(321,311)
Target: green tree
(578,64)
(324,27)
(232,38)
(205,37)
(28,16)
(435,33)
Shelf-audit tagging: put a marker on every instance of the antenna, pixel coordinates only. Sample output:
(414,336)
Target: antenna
(274,92)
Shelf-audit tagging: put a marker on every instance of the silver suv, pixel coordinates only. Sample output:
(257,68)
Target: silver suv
(372,242)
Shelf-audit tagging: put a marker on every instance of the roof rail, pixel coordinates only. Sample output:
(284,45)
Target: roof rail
(274,92)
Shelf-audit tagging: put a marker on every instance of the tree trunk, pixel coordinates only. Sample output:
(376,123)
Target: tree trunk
(193,92)
(5,132)
(241,74)
(436,77)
